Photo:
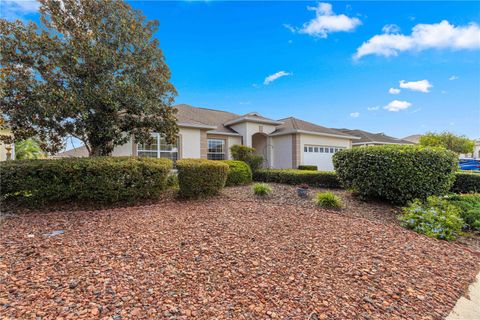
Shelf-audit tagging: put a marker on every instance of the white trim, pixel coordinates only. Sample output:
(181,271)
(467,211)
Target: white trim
(314,133)
(191,125)
(250,119)
(220,133)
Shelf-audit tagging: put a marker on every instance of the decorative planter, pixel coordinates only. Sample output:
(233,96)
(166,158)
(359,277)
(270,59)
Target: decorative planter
(302,192)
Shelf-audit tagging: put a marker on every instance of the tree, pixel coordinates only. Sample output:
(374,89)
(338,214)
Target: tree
(92,71)
(28,149)
(449,141)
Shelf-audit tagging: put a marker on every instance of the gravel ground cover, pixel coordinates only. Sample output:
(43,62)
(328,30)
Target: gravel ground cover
(224,259)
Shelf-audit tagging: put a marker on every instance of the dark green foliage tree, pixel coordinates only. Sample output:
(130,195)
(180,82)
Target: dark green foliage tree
(93,70)
(449,141)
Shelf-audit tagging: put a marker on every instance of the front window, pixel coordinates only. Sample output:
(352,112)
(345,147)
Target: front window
(158,148)
(216,149)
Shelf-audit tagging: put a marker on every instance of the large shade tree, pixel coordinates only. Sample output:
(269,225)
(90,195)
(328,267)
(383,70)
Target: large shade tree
(92,70)
(449,141)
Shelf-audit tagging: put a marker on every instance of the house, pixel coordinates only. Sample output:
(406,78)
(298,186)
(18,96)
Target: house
(372,139)
(207,133)
(415,138)
(7,151)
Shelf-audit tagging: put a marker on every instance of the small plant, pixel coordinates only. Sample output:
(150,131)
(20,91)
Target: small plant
(436,218)
(261,189)
(328,200)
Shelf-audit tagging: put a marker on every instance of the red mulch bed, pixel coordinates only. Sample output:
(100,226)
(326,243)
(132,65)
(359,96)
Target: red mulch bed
(225,259)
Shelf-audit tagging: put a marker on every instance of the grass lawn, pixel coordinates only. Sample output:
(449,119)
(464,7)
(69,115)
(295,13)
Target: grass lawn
(231,257)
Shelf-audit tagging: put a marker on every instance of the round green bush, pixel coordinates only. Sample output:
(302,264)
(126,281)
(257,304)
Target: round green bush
(200,177)
(98,179)
(239,173)
(396,173)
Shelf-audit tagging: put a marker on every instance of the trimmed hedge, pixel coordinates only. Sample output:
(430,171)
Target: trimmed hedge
(326,179)
(99,179)
(200,177)
(239,173)
(466,183)
(396,173)
(308,167)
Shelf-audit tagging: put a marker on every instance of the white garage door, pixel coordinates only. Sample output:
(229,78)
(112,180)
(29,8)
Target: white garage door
(320,156)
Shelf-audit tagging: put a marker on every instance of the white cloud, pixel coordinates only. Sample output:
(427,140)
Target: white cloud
(391,28)
(394,91)
(441,35)
(326,21)
(355,114)
(421,85)
(373,108)
(276,76)
(397,105)
(289,27)
(454,77)
(17,9)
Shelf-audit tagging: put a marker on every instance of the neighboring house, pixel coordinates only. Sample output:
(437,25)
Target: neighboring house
(415,138)
(7,151)
(80,151)
(209,134)
(476,149)
(372,139)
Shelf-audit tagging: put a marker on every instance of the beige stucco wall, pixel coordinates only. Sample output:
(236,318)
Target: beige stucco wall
(3,150)
(309,139)
(190,142)
(248,129)
(281,152)
(124,150)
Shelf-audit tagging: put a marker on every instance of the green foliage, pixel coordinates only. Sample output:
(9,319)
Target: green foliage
(239,173)
(28,149)
(308,167)
(466,183)
(247,155)
(261,189)
(328,200)
(326,179)
(99,179)
(469,206)
(397,173)
(93,70)
(200,177)
(172,180)
(435,217)
(449,141)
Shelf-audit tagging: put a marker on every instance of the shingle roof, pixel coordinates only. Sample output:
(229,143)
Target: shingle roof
(293,125)
(415,138)
(201,116)
(368,137)
(80,151)
(253,117)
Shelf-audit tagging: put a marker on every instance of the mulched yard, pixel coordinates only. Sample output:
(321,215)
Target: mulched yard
(232,257)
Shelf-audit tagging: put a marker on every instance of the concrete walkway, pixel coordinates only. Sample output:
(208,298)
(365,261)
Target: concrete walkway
(468,309)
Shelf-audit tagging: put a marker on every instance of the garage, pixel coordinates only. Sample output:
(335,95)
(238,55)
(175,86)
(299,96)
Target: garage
(320,156)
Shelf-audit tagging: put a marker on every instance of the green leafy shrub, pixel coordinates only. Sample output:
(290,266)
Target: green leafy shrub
(172,180)
(326,179)
(469,206)
(99,179)
(239,173)
(396,173)
(436,218)
(261,189)
(466,183)
(247,155)
(200,177)
(328,200)
(308,167)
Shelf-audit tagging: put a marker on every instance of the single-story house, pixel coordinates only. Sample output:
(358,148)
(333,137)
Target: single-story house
(372,139)
(415,138)
(207,133)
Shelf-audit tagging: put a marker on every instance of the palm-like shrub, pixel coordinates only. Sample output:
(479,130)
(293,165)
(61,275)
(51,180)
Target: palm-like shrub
(261,189)
(328,200)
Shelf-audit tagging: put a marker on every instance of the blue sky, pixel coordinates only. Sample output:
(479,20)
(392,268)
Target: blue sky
(329,63)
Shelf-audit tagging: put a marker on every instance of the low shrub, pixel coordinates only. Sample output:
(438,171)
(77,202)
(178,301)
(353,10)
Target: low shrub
(397,173)
(469,206)
(247,155)
(172,180)
(239,173)
(200,177)
(308,167)
(328,200)
(436,218)
(466,183)
(325,179)
(261,189)
(99,179)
